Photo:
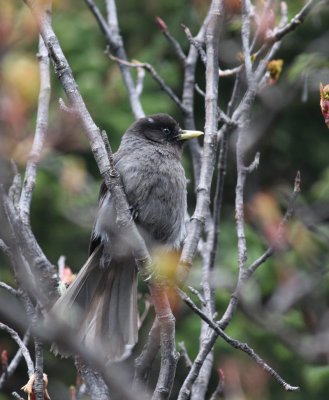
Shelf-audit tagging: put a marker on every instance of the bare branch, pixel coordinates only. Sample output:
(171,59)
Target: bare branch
(9,289)
(210,144)
(169,355)
(175,44)
(184,354)
(39,376)
(114,40)
(26,354)
(14,362)
(140,81)
(198,294)
(245,36)
(222,117)
(40,131)
(295,22)
(239,201)
(246,273)
(17,396)
(185,390)
(25,252)
(195,42)
(229,72)
(235,343)
(149,68)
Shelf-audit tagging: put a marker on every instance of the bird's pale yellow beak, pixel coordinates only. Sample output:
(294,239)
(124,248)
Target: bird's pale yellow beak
(186,135)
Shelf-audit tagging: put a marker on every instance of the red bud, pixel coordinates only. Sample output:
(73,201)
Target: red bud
(162,25)
(4,360)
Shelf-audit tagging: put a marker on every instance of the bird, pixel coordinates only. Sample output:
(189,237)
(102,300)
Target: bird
(102,301)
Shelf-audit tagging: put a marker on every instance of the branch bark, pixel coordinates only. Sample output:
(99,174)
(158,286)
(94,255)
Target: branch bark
(210,144)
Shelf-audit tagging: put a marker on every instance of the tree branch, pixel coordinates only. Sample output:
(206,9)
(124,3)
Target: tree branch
(148,67)
(210,144)
(294,23)
(235,344)
(175,44)
(14,362)
(114,40)
(25,352)
(40,131)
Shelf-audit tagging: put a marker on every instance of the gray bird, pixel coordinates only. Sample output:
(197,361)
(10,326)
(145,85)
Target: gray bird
(102,301)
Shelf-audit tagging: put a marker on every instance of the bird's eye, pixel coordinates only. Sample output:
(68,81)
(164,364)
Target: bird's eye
(166,131)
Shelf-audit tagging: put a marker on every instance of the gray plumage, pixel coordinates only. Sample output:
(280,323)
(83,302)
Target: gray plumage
(102,301)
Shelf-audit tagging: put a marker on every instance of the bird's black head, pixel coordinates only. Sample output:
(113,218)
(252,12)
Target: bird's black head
(162,129)
(159,128)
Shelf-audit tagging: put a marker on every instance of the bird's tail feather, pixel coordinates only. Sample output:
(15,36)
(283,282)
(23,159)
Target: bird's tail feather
(102,305)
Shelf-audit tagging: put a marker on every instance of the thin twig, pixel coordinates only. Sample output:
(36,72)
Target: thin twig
(175,44)
(229,72)
(114,40)
(184,354)
(254,165)
(236,343)
(150,69)
(294,23)
(14,362)
(17,396)
(26,354)
(222,117)
(9,289)
(246,274)
(198,294)
(196,43)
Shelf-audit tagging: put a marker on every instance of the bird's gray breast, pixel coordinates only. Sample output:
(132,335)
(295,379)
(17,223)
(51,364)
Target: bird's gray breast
(155,185)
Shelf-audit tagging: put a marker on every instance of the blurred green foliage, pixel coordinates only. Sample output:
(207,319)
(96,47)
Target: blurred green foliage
(291,137)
